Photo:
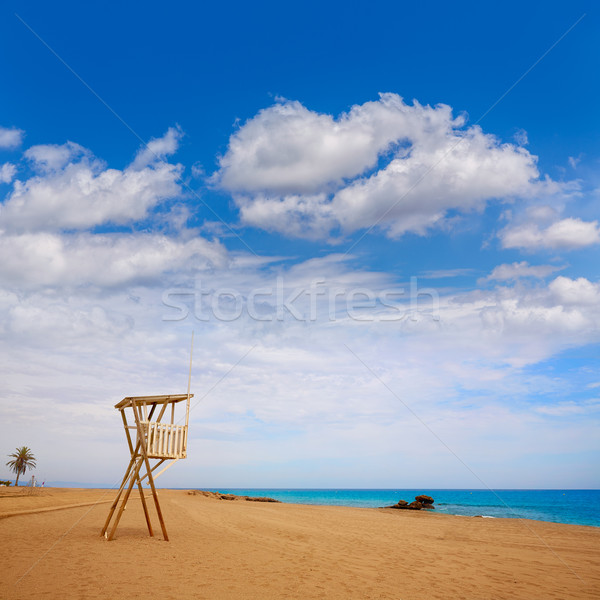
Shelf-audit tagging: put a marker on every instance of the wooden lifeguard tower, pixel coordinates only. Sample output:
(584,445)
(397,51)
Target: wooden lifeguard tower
(155,440)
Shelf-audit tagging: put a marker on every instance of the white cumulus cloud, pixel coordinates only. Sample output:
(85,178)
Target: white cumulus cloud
(565,313)
(566,234)
(48,259)
(77,191)
(578,292)
(7,172)
(52,157)
(157,149)
(10,137)
(47,221)
(400,166)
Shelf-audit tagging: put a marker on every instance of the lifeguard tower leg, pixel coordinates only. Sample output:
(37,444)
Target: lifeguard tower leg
(145,507)
(116,501)
(139,482)
(134,477)
(144,453)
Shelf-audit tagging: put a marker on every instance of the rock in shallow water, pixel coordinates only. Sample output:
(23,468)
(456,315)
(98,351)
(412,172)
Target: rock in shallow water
(424,499)
(418,503)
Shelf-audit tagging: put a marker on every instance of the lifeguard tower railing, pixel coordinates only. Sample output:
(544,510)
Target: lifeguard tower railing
(164,440)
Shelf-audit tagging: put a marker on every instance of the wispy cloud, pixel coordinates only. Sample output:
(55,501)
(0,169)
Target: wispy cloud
(447,273)
(521,269)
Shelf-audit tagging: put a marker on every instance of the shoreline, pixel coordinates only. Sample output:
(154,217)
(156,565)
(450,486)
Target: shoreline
(39,492)
(572,507)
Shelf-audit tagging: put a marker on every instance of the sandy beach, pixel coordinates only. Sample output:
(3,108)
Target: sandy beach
(51,548)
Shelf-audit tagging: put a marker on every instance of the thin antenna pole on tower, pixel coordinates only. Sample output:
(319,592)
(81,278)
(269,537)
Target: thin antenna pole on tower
(187,408)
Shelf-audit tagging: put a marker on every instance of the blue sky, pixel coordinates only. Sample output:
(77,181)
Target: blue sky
(380,220)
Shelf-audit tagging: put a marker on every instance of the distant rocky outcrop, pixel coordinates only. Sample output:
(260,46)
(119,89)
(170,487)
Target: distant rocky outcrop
(422,501)
(259,499)
(219,496)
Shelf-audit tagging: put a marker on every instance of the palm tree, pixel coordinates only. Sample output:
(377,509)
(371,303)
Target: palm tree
(22,459)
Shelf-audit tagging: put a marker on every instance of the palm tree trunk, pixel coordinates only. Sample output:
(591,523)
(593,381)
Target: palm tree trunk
(17,481)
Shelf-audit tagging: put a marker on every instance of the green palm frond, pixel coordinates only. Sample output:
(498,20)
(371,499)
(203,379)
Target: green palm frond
(22,459)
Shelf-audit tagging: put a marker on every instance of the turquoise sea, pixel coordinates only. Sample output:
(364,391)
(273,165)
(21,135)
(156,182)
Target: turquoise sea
(579,507)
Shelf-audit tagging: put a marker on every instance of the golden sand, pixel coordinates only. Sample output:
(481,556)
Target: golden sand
(237,549)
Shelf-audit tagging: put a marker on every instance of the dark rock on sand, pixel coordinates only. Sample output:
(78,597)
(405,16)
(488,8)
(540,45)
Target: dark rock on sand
(261,499)
(219,496)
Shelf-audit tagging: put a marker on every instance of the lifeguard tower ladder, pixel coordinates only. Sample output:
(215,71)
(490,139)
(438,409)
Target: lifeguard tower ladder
(155,440)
